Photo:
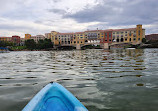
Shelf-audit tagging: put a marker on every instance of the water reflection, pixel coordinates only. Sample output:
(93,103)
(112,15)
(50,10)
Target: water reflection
(100,79)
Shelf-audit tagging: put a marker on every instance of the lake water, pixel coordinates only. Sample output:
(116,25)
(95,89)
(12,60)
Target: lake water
(103,80)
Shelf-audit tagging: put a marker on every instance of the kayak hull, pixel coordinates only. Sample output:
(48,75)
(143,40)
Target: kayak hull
(54,97)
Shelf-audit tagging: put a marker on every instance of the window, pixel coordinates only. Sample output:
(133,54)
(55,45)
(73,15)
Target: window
(134,35)
(105,34)
(125,39)
(130,39)
(134,39)
(74,42)
(139,33)
(122,40)
(139,39)
(78,42)
(117,32)
(117,40)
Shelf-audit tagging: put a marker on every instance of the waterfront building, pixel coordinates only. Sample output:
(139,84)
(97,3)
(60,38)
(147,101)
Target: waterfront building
(22,41)
(37,38)
(106,36)
(54,38)
(130,35)
(78,38)
(16,39)
(8,39)
(48,35)
(64,38)
(27,36)
(93,36)
(151,37)
(103,38)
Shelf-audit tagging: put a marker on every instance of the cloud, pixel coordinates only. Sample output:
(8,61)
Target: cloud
(59,11)
(119,12)
(42,16)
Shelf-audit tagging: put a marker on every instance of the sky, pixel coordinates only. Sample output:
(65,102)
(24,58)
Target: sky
(18,17)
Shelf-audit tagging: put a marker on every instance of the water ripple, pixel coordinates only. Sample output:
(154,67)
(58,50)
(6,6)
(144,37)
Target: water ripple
(100,79)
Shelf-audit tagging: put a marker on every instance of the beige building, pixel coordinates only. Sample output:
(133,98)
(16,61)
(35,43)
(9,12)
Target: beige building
(37,38)
(130,35)
(78,38)
(93,36)
(48,35)
(64,38)
(54,38)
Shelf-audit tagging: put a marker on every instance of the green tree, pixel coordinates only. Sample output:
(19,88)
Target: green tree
(6,43)
(30,44)
(44,44)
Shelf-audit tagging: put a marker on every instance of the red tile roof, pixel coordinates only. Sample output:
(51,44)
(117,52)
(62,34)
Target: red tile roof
(5,37)
(124,29)
(93,30)
(65,33)
(79,33)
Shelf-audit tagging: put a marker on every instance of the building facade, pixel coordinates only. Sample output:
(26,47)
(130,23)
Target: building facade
(64,38)
(8,39)
(130,35)
(16,39)
(48,35)
(27,36)
(78,38)
(151,37)
(94,37)
(35,38)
